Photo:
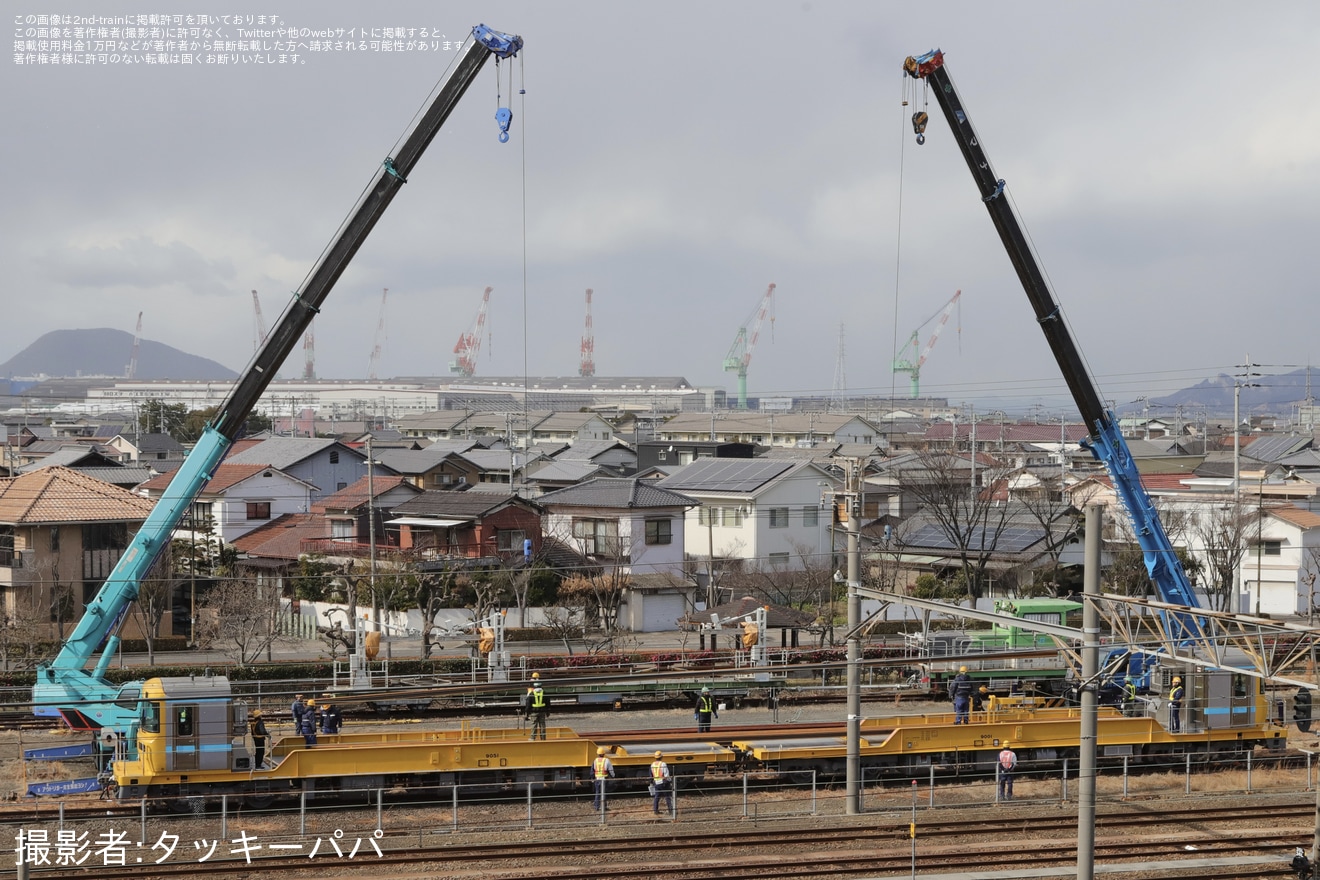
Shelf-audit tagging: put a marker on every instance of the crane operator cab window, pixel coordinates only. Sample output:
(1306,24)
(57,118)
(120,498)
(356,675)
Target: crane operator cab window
(150,714)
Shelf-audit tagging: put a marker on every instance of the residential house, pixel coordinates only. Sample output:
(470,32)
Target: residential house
(61,533)
(770,428)
(1013,547)
(270,553)
(356,516)
(568,427)
(72,455)
(432,467)
(238,498)
(147,448)
(327,465)
(666,453)
(1281,569)
(633,528)
(467,529)
(766,513)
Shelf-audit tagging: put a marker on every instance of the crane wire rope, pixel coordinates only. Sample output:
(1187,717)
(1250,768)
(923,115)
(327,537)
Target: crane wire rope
(907,89)
(522,143)
(394,148)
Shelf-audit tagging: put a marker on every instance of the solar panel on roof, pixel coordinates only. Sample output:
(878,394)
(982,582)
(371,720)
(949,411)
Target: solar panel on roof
(728,475)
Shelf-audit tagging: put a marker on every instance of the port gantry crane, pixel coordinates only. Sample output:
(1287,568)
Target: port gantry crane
(469,344)
(912,363)
(1105,441)
(82,696)
(740,353)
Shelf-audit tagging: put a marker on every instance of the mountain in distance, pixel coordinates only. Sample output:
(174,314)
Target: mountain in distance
(107,352)
(1274,394)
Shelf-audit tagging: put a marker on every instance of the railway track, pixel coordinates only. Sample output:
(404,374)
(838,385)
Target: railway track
(829,849)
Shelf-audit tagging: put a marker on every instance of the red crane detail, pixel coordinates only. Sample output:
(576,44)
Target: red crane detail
(469,344)
(587,365)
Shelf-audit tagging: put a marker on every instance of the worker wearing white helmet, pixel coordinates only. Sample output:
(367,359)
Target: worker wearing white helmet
(661,785)
(601,769)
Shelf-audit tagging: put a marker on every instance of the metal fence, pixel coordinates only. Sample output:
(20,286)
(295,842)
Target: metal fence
(374,820)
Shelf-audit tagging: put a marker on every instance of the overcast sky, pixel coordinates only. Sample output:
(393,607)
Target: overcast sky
(679,157)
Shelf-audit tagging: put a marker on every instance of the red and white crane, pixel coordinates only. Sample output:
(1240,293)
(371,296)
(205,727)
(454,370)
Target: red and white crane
(374,364)
(740,353)
(587,364)
(911,364)
(469,344)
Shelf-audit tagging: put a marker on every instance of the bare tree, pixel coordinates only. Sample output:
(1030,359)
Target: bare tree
(1051,510)
(965,503)
(597,594)
(1310,568)
(155,597)
(22,628)
(241,619)
(1223,533)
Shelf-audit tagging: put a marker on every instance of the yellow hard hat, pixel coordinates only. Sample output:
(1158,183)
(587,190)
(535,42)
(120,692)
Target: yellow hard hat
(536,675)
(962,668)
(659,754)
(256,713)
(1177,680)
(600,750)
(1007,744)
(311,702)
(983,689)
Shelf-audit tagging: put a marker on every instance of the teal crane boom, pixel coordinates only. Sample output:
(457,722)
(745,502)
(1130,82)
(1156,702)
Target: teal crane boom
(82,696)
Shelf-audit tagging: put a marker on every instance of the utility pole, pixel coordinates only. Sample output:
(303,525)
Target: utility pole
(371,538)
(1090,670)
(1237,468)
(854,761)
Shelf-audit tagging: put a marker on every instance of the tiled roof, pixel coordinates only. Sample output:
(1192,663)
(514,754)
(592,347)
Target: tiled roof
(282,537)
(354,496)
(282,452)
(226,476)
(622,492)
(63,495)
(1304,519)
(460,505)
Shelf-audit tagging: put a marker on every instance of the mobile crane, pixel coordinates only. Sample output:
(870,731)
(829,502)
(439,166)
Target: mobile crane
(82,696)
(1105,442)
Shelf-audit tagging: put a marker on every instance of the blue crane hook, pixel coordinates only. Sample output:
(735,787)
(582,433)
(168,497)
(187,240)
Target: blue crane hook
(504,116)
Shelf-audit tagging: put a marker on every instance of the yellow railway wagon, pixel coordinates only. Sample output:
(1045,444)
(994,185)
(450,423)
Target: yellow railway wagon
(190,743)
(1227,714)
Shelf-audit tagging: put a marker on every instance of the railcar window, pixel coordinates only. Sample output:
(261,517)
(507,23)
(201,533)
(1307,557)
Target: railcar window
(183,721)
(151,717)
(128,698)
(1239,685)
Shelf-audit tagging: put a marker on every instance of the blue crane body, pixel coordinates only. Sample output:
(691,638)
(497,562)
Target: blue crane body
(1105,441)
(65,687)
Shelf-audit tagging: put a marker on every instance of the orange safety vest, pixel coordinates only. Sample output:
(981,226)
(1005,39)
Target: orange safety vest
(659,772)
(602,767)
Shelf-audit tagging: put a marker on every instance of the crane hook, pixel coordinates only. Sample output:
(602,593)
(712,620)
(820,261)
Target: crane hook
(504,116)
(919,120)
